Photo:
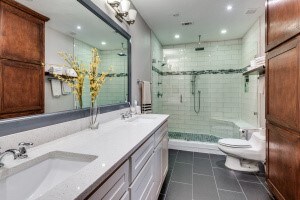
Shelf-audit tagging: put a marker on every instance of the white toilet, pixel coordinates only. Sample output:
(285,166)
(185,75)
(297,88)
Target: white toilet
(244,155)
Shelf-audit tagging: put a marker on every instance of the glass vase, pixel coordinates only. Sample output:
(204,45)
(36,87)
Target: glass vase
(94,112)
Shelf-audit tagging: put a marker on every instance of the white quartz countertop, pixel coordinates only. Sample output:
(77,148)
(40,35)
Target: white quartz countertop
(112,143)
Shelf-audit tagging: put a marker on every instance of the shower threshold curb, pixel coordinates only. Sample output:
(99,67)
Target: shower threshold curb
(194,146)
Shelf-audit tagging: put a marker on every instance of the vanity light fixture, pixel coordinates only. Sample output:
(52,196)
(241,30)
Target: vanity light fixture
(177,36)
(123,11)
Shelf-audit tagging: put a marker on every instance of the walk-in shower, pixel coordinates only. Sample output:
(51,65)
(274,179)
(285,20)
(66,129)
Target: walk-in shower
(194,88)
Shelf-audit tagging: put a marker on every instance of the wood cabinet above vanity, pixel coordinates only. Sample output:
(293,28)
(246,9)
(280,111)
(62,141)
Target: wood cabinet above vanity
(22,57)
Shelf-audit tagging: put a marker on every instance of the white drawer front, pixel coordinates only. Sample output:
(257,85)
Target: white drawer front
(126,196)
(140,157)
(142,187)
(115,187)
(159,134)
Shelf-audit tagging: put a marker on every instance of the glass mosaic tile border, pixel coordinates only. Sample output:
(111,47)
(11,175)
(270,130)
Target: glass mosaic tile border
(194,137)
(200,72)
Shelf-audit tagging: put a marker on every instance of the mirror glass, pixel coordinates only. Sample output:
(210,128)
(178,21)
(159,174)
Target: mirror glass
(75,31)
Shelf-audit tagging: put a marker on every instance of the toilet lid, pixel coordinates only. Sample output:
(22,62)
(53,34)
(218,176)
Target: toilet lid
(235,143)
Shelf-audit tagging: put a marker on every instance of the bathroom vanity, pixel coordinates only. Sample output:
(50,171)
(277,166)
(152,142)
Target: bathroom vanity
(124,159)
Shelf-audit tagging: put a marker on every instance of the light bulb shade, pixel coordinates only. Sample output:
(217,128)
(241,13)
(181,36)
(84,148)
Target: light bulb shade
(124,6)
(132,14)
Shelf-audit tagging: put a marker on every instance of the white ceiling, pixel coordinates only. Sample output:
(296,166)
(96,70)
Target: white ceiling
(66,15)
(209,18)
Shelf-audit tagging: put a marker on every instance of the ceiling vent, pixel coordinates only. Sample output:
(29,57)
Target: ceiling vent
(186,23)
(251,11)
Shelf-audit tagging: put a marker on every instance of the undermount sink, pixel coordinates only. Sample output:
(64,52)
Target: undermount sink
(142,119)
(34,178)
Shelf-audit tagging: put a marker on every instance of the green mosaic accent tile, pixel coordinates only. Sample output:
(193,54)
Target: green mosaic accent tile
(194,137)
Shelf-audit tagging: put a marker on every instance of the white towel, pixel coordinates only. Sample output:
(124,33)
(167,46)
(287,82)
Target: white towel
(66,89)
(146,92)
(56,87)
(261,85)
(56,70)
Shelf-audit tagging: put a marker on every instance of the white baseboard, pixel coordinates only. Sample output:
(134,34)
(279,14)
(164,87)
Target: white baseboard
(201,147)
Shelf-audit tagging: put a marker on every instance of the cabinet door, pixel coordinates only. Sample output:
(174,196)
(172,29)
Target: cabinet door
(158,153)
(115,187)
(282,85)
(21,89)
(165,155)
(140,157)
(283,162)
(142,187)
(282,18)
(21,35)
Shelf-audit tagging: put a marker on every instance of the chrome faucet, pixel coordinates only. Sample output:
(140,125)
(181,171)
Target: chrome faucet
(20,153)
(126,115)
(8,152)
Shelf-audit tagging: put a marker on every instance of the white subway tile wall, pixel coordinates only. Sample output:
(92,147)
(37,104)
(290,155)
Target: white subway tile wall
(115,89)
(223,94)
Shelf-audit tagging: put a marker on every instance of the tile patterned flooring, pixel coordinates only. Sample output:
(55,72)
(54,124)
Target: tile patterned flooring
(200,176)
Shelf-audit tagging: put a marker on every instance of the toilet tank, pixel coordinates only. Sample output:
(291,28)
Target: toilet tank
(258,140)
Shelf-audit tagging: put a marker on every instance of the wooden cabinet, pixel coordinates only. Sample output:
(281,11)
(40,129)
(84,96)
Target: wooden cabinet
(22,49)
(282,85)
(282,21)
(283,163)
(283,98)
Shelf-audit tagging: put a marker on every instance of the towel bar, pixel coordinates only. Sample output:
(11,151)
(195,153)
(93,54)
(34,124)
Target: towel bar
(140,81)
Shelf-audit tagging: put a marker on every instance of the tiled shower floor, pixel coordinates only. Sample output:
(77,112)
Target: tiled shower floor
(194,137)
(199,176)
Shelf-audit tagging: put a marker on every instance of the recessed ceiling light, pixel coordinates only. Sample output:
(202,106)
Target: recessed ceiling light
(224,31)
(78,27)
(177,36)
(229,7)
(103,43)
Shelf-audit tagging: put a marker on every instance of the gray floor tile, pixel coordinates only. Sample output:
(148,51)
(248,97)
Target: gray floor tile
(263,181)
(182,173)
(166,183)
(173,152)
(172,159)
(161,197)
(185,157)
(179,191)
(202,166)
(255,191)
(204,188)
(228,195)
(243,176)
(218,160)
(201,155)
(226,180)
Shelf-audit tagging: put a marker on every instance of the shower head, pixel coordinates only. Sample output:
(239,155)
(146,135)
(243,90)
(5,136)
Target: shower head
(122,51)
(121,54)
(199,48)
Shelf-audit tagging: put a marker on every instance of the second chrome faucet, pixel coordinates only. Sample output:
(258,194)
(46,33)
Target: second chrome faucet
(20,153)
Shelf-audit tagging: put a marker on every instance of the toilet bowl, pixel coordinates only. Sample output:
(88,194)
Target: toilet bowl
(244,155)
